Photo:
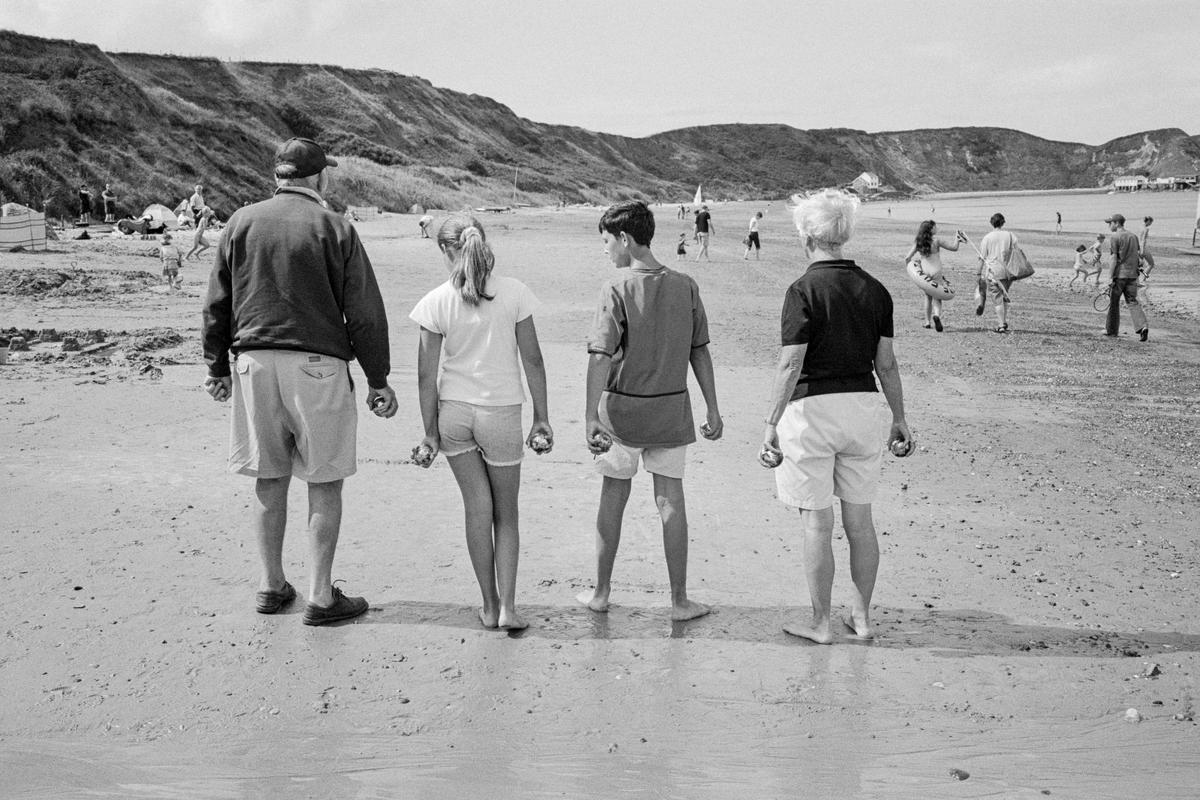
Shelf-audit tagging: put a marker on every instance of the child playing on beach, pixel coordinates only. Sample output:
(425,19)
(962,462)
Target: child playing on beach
(483,326)
(172,261)
(1083,264)
(200,244)
(650,326)
(681,248)
(1087,261)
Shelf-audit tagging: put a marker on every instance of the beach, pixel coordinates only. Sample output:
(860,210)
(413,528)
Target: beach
(1038,573)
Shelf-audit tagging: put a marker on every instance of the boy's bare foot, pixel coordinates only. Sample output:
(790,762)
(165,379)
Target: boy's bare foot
(813,632)
(512,621)
(688,609)
(858,630)
(593,600)
(489,619)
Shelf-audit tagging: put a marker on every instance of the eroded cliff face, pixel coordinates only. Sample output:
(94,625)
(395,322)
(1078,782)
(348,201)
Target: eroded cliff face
(154,125)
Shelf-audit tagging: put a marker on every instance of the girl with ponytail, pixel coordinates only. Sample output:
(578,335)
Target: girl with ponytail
(477,332)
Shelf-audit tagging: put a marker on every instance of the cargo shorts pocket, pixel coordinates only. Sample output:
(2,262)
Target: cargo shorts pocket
(319,371)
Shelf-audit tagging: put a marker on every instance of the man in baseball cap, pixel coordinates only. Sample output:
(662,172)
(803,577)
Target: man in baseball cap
(294,298)
(1125,250)
(300,158)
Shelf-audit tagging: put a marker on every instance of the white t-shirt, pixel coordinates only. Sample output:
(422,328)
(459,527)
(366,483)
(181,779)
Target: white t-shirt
(996,247)
(754,224)
(480,360)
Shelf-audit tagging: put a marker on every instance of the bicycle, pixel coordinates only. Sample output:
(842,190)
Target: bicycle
(1100,301)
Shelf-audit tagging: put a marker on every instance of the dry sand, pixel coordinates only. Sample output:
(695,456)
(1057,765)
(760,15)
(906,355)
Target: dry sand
(1039,568)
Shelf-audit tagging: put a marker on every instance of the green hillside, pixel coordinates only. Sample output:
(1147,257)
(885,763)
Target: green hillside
(153,126)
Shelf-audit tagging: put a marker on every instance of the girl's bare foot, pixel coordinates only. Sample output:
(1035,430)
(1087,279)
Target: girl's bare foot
(511,621)
(859,630)
(688,609)
(594,600)
(815,631)
(489,619)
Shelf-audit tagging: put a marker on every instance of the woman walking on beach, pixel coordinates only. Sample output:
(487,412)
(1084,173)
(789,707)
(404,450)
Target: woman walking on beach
(1144,242)
(479,326)
(927,245)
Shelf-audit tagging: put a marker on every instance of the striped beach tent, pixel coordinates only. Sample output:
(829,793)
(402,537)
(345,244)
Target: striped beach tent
(22,227)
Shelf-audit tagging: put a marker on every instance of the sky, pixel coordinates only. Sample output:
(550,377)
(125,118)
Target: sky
(1065,70)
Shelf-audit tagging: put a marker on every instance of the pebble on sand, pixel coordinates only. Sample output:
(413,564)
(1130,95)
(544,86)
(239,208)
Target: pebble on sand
(959,774)
(1133,715)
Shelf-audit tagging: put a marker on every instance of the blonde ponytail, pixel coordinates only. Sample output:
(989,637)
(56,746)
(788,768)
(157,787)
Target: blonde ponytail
(462,236)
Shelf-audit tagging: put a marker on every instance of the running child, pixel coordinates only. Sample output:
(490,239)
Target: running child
(1083,264)
(637,405)
(172,261)
(200,244)
(681,248)
(480,327)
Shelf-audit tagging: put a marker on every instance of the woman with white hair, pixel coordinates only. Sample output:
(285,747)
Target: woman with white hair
(824,421)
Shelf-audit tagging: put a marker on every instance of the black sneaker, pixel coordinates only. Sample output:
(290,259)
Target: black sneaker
(937,323)
(1144,334)
(343,608)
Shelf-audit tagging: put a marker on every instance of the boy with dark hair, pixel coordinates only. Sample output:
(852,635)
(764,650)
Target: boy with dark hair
(650,326)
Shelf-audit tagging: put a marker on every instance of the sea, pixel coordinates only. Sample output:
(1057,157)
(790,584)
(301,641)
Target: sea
(1176,214)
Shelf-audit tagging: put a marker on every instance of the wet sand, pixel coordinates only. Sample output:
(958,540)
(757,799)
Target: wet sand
(1038,575)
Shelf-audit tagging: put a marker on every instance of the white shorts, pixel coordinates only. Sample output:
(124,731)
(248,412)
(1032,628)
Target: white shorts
(495,431)
(831,446)
(293,414)
(621,461)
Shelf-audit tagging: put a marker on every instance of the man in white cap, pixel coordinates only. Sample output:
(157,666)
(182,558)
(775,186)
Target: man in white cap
(293,296)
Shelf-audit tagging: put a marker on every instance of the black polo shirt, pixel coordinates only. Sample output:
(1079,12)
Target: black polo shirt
(840,312)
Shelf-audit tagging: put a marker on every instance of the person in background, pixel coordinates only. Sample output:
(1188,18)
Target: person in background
(1147,257)
(110,203)
(752,240)
(85,205)
(1124,248)
(927,244)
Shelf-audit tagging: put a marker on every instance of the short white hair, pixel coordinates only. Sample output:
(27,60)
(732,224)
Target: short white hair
(827,215)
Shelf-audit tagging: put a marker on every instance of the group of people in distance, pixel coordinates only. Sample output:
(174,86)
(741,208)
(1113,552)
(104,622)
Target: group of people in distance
(293,403)
(1131,263)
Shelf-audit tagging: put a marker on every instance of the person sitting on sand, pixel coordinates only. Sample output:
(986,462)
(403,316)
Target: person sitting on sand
(650,326)
(172,262)
(472,413)
(200,244)
(823,422)
(927,245)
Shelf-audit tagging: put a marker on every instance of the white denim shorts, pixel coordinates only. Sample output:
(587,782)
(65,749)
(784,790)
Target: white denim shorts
(495,431)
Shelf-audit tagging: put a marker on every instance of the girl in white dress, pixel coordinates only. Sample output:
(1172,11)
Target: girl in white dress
(927,245)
